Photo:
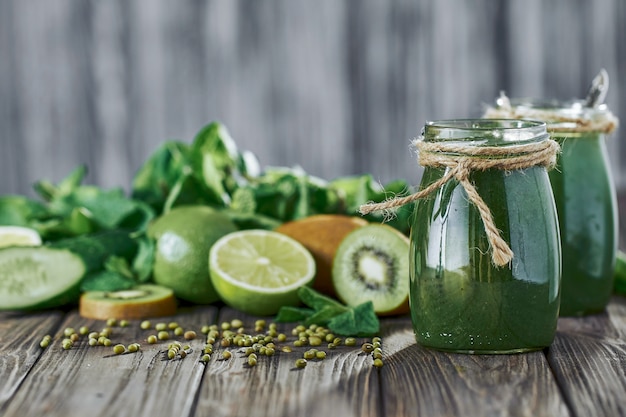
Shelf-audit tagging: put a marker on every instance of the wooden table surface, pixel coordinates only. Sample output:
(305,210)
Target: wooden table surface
(583,373)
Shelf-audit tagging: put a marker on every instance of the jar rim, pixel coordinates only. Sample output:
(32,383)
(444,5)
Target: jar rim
(563,116)
(571,108)
(486,124)
(486,132)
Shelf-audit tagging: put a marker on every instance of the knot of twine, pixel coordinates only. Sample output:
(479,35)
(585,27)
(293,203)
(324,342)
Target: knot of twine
(605,122)
(461,160)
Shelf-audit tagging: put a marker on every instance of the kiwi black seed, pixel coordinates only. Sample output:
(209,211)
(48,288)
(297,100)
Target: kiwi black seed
(372,264)
(390,272)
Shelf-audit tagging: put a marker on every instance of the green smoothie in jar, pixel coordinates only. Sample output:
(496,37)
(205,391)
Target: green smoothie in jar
(485,257)
(585,197)
(461,299)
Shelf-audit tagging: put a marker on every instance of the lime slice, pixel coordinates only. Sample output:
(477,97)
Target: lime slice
(18,236)
(259,271)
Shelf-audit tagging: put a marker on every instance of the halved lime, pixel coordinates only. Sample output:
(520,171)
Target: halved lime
(259,271)
(18,236)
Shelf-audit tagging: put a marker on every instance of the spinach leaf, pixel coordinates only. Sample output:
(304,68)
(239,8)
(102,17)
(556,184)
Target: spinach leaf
(16,210)
(168,177)
(361,189)
(106,280)
(73,209)
(286,194)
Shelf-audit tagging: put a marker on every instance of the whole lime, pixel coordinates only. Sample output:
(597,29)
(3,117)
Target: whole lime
(184,237)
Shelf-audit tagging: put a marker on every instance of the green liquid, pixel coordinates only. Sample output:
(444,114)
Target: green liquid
(587,209)
(461,301)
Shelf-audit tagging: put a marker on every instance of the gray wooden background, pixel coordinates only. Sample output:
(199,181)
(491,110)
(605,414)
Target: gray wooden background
(339,87)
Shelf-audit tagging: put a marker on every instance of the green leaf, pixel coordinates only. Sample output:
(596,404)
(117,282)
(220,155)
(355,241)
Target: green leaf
(359,190)
(138,219)
(324,315)
(360,321)
(288,314)
(107,208)
(215,140)
(119,265)
(325,311)
(245,221)
(286,194)
(106,281)
(205,172)
(16,210)
(168,167)
(144,260)
(70,183)
(216,160)
(318,301)
(49,192)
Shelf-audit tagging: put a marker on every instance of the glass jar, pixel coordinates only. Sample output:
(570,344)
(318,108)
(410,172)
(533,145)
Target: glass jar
(585,198)
(461,300)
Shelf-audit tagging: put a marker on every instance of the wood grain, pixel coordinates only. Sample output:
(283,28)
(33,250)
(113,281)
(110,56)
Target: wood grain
(339,87)
(588,358)
(20,335)
(424,382)
(91,381)
(343,384)
(583,373)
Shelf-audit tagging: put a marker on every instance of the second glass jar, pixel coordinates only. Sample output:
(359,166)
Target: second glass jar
(585,197)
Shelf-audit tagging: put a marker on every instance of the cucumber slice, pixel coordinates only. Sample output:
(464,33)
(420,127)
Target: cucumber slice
(38,277)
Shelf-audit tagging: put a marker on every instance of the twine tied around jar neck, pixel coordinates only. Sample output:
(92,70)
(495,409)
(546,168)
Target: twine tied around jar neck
(585,120)
(460,160)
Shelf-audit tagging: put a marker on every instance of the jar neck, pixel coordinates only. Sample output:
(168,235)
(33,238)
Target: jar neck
(485,132)
(560,116)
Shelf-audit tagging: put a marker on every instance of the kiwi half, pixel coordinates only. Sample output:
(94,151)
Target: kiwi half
(372,264)
(138,302)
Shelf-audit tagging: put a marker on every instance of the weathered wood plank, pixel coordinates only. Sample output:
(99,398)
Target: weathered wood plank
(343,384)
(91,381)
(422,382)
(19,347)
(588,358)
(339,87)
(617,314)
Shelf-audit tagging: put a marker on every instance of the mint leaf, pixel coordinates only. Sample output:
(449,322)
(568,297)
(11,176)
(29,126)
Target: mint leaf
(324,315)
(288,314)
(325,311)
(357,321)
(318,301)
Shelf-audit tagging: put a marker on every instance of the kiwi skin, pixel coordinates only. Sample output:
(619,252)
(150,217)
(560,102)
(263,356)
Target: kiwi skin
(321,234)
(376,240)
